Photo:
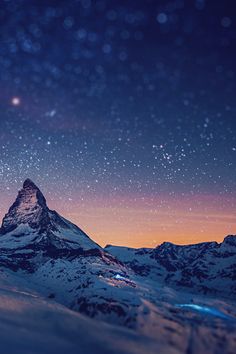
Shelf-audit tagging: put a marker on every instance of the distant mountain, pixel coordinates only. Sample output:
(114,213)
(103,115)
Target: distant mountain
(207,267)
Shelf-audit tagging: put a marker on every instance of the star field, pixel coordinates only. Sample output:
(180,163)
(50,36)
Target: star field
(123,113)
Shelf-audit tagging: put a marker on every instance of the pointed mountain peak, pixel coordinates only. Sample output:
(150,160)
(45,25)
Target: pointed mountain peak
(230,240)
(31,193)
(29,208)
(29,184)
(30,216)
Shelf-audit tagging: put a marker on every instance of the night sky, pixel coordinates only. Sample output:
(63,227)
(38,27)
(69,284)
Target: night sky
(123,113)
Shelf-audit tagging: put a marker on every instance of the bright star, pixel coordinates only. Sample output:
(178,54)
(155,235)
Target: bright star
(15,101)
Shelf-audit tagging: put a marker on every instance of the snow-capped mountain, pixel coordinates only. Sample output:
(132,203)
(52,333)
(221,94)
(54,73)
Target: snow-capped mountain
(208,267)
(65,263)
(30,217)
(48,264)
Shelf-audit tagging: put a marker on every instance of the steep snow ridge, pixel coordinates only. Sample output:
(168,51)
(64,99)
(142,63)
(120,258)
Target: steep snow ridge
(71,233)
(14,239)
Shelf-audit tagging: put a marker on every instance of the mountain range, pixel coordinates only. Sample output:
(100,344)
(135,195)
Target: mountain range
(165,299)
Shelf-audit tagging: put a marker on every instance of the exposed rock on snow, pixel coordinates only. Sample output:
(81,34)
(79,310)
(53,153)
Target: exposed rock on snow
(208,267)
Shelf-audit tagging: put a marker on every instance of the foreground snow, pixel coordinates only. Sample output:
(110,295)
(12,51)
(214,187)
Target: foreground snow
(33,324)
(30,324)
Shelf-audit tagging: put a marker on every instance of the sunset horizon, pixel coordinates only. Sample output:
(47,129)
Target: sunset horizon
(145,222)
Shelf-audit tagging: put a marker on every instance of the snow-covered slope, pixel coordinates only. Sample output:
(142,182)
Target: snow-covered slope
(46,263)
(33,324)
(207,267)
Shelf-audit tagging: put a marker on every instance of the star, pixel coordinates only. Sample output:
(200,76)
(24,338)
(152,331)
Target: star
(15,101)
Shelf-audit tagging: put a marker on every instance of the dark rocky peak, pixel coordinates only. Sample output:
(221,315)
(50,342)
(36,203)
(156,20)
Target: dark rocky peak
(165,247)
(31,190)
(230,240)
(29,184)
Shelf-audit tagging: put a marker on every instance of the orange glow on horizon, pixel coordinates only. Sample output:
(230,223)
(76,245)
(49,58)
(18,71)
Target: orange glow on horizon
(148,223)
(134,221)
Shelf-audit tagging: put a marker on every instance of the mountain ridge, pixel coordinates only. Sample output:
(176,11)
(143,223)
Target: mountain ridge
(207,267)
(173,243)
